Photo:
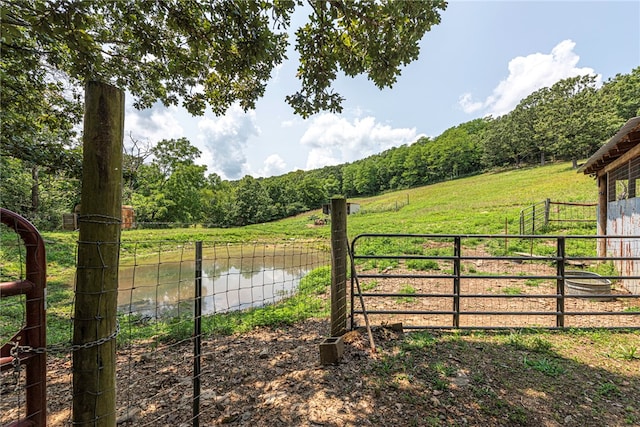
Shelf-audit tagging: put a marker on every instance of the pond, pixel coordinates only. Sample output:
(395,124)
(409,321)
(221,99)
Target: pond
(233,278)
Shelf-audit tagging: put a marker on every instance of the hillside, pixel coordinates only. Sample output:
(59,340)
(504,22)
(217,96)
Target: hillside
(473,205)
(478,204)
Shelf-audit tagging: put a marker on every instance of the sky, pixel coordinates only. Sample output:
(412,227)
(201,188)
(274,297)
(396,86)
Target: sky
(482,59)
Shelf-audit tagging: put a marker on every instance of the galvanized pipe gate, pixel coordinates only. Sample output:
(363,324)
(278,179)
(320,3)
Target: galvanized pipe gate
(465,287)
(28,346)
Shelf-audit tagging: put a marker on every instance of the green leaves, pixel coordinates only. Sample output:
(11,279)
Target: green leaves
(198,53)
(569,120)
(365,37)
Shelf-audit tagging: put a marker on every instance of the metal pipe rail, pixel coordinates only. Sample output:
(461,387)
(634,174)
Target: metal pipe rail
(457,299)
(28,346)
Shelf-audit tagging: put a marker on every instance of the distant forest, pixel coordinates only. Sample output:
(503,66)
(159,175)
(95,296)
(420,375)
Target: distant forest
(568,121)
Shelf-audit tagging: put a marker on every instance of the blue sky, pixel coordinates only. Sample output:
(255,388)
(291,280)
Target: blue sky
(483,58)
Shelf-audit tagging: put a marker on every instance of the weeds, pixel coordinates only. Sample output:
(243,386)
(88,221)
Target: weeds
(369,285)
(608,389)
(406,290)
(628,353)
(546,366)
(418,341)
(422,264)
(534,342)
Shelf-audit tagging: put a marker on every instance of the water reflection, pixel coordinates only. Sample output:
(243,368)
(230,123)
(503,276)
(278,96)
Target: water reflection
(233,279)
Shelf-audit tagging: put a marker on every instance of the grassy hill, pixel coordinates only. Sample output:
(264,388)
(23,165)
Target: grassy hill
(478,204)
(473,205)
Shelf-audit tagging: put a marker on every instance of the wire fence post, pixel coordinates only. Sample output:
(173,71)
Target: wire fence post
(547,211)
(338,266)
(197,334)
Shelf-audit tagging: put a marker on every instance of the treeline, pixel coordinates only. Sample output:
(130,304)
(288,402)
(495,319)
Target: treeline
(568,121)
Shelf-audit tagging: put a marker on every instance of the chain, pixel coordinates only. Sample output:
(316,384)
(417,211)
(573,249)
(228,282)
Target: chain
(101,341)
(17,349)
(15,354)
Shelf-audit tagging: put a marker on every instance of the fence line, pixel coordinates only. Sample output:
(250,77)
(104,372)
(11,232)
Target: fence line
(235,278)
(493,282)
(168,353)
(549,215)
(243,285)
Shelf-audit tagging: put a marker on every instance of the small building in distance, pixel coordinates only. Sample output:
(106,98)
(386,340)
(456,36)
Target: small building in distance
(351,208)
(616,167)
(70,220)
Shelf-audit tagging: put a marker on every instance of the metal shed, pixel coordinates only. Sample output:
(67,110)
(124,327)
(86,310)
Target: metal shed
(616,167)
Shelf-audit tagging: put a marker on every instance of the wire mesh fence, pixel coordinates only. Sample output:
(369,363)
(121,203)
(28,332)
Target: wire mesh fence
(162,318)
(549,216)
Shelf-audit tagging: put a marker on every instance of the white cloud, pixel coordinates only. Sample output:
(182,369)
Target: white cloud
(468,104)
(319,158)
(273,165)
(333,139)
(527,74)
(153,124)
(223,141)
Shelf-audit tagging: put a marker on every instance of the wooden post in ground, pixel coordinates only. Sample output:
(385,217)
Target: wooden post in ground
(95,321)
(602,214)
(338,266)
(547,212)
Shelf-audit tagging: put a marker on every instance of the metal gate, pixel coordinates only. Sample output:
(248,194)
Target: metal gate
(494,281)
(27,347)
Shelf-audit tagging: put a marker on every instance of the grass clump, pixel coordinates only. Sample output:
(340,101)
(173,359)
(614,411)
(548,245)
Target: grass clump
(545,365)
(422,264)
(407,290)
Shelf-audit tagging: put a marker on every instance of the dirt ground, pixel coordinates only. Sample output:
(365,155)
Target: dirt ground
(273,377)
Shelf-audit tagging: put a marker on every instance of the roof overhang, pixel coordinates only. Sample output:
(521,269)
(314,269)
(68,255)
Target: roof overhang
(626,138)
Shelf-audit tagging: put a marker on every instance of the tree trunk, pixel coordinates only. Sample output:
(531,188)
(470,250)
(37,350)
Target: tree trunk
(35,190)
(95,322)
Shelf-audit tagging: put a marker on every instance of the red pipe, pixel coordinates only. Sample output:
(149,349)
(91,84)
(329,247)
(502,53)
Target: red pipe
(34,333)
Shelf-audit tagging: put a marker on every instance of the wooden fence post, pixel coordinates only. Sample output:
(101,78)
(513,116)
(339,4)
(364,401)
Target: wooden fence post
(603,200)
(547,212)
(95,323)
(339,253)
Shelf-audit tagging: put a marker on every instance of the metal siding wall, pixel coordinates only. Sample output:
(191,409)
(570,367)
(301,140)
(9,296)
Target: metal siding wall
(623,219)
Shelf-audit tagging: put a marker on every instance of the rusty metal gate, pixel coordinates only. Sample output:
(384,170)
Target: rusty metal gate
(26,349)
(495,281)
